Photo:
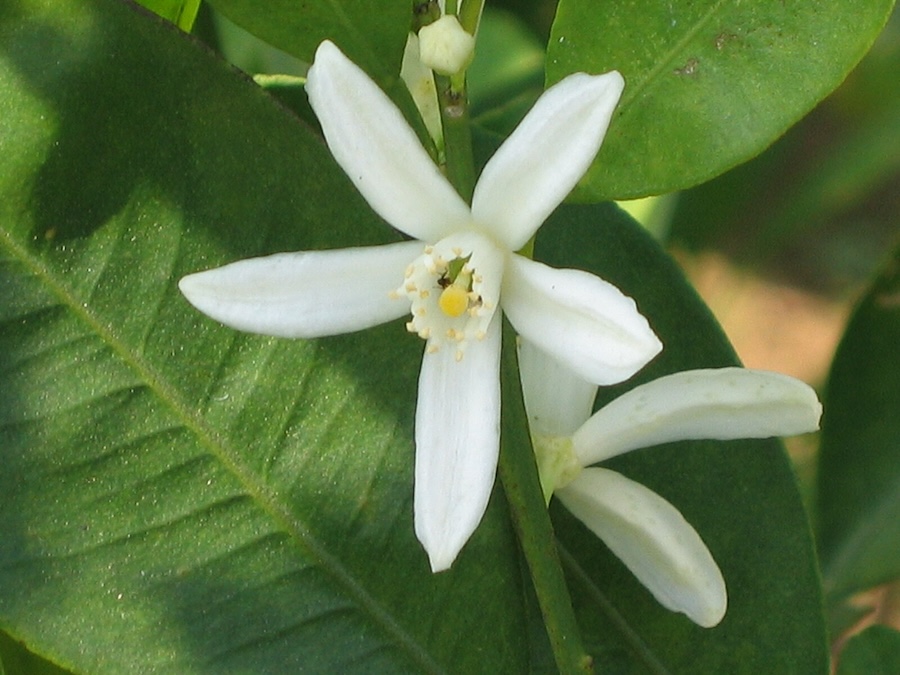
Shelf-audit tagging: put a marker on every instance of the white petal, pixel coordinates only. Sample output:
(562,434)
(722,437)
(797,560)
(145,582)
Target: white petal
(579,319)
(379,151)
(547,154)
(420,82)
(305,294)
(716,403)
(654,541)
(556,399)
(457,443)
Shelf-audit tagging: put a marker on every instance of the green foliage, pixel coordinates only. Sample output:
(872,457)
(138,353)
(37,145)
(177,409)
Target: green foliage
(708,84)
(180,12)
(859,476)
(506,76)
(875,651)
(371,32)
(176,496)
(170,500)
(16,660)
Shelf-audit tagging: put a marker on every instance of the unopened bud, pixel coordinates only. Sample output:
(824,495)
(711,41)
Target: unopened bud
(445,46)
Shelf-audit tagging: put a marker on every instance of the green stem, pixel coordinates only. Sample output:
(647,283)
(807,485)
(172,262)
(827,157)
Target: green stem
(470,14)
(518,473)
(460,166)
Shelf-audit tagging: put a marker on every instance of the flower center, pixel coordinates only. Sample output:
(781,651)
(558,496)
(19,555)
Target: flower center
(457,295)
(453,289)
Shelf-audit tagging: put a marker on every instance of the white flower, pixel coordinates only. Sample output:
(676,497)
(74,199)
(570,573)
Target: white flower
(454,278)
(645,531)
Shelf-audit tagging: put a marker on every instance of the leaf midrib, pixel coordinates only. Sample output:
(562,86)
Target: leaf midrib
(256,490)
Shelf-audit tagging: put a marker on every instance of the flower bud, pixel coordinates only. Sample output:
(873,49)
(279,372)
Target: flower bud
(445,46)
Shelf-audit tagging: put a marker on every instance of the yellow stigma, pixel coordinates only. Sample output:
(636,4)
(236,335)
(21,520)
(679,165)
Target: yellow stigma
(453,301)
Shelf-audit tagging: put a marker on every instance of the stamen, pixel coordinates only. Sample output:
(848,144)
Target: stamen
(446,293)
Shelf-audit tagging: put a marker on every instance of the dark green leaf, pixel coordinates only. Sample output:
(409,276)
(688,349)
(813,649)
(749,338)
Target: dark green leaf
(709,84)
(176,496)
(859,475)
(741,496)
(507,74)
(875,651)
(371,32)
(16,660)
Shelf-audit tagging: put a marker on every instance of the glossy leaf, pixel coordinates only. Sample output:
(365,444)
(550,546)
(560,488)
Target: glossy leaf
(875,651)
(741,496)
(177,496)
(709,84)
(820,206)
(859,476)
(371,32)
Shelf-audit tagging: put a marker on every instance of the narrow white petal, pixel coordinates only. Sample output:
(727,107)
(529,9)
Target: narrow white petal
(305,294)
(420,82)
(556,399)
(654,541)
(457,443)
(715,403)
(547,154)
(579,319)
(379,151)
